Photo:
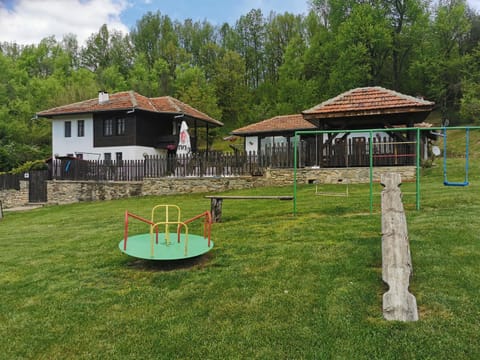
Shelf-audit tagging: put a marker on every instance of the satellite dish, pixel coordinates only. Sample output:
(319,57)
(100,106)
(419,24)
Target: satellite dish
(436,150)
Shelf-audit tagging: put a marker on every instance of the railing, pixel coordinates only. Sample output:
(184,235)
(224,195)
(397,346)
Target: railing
(351,153)
(10,181)
(211,164)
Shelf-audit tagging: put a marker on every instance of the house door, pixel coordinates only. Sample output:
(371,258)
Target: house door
(37,191)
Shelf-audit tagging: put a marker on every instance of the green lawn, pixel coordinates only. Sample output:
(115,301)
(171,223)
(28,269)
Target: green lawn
(274,286)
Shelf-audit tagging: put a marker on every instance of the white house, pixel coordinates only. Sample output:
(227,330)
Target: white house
(122,126)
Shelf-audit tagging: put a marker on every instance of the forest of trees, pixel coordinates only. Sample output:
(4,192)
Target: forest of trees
(261,66)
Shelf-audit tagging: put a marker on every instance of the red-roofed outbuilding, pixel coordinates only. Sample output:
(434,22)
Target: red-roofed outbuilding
(356,109)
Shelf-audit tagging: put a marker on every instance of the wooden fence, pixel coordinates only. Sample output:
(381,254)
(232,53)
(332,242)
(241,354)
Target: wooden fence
(194,165)
(355,152)
(10,181)
(351,153)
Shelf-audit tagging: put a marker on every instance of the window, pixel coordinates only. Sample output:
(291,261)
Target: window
(107,157)
(81,128)
(118,157)
(120,126)
(68,128)
(108,127)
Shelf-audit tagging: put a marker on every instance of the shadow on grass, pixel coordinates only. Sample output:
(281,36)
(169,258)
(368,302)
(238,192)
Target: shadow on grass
(170,265)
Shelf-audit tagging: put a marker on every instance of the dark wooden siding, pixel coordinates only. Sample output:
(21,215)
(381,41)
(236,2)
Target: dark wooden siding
(99,140)
(141,129)
(151,128)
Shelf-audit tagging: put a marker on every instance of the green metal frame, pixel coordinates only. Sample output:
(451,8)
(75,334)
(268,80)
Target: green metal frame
(370,131)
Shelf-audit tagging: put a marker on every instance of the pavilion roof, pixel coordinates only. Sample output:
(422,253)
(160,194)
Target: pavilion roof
(367,101)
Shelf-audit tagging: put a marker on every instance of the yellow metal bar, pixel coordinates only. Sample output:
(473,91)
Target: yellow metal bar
(167,221)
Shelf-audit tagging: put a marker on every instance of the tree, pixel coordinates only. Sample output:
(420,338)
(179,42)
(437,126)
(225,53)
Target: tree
(232,93)
(96,54)
(192,87)
(295,91)
(364,43)
(408,20)
(251,30)
(279,30)
(442,60)
(470,102)
(150,82)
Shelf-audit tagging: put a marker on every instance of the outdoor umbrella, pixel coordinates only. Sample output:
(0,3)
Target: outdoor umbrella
(184,148)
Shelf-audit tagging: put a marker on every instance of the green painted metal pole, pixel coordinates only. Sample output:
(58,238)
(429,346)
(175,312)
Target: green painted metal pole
(417,175)
(371,131)
(370,151)
(295,174)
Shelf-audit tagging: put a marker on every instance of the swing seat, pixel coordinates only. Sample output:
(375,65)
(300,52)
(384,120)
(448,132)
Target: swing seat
(445,179)
(448,183)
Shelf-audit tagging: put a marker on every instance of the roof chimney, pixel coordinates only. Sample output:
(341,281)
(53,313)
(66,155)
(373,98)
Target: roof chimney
(102,97)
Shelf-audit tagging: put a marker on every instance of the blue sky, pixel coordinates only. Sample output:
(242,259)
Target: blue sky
(215,11)
(29,21)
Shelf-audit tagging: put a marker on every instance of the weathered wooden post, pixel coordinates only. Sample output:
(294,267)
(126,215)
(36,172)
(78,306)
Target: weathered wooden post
(398,302)
(216,209)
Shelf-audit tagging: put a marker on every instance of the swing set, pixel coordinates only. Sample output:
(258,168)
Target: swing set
(417,145)
(445,178)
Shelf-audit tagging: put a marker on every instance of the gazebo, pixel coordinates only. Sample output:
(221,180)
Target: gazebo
(367,108)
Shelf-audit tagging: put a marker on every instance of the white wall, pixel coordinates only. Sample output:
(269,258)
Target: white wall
(251,144)
(74,145)
(62,146)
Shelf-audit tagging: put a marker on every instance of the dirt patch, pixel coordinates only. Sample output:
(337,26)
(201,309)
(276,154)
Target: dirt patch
(170,265)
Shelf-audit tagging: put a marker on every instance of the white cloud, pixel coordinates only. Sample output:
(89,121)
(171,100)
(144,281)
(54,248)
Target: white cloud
(29,21)
(475,4)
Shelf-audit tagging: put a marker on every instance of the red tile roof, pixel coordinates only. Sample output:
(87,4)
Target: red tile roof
(368,101)
(276,124)
(128,100)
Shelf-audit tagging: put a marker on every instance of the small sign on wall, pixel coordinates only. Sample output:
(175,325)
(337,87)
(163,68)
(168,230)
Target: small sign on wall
(26,175)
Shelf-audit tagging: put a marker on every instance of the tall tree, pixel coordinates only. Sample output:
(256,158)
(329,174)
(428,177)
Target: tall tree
(251,29)
(232,93)
(442,58)
(293,80)
(364,43)
(408,20)
(145,37)
(279,30)
(96,54)
(192,87)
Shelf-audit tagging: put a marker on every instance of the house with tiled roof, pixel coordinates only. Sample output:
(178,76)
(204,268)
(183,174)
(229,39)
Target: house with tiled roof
(276,130)
(356,109)
(122,126)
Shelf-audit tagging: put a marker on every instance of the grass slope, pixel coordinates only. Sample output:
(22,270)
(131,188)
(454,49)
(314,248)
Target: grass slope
(275,286)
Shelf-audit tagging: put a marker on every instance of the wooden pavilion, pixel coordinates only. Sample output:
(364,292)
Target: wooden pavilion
(368,108)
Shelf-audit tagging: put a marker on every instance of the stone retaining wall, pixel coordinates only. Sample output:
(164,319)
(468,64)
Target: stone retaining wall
(358,175)
(11,198)
(170,186)
(64,192)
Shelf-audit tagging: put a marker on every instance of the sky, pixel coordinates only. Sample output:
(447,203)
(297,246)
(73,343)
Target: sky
(29,21)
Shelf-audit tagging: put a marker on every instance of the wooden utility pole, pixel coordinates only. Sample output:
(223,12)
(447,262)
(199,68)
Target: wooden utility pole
(398,302)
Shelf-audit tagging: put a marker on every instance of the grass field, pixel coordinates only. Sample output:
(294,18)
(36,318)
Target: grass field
(274,286)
